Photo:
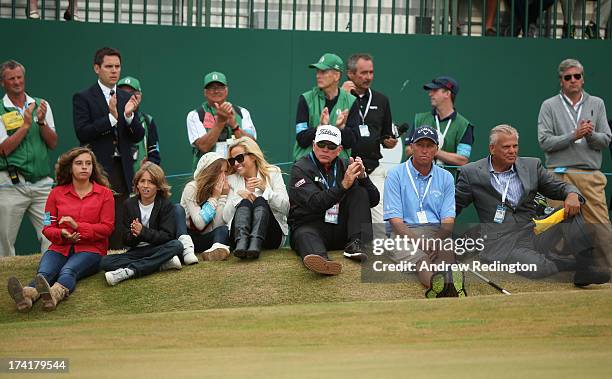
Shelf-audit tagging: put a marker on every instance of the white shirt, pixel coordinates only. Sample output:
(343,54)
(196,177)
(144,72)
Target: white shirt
(145,213)
(196,129)
(578,104)
(106,93)
(145,216)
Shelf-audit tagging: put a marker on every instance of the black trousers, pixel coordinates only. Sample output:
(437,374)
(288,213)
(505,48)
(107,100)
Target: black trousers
(143,260)
(117,182)
(354,222)
(274,233)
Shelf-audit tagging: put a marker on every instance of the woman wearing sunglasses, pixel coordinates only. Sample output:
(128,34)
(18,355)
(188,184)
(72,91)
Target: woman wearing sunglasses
(204,200)
(79,218)
(257,204)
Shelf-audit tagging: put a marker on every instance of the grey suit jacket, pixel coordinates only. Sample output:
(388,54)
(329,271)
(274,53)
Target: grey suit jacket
(474,186)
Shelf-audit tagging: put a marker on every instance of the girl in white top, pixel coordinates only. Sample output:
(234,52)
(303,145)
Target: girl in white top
(257,203)
(204,200)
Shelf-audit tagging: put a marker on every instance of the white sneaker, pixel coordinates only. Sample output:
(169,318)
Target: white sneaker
(171,264)
(119,275)
(189,256)
(217,252)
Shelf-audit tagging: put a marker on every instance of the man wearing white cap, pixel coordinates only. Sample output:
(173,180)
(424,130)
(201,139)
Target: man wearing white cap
(330,201)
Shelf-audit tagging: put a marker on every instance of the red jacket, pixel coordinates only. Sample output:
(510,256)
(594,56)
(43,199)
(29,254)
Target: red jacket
(94,214)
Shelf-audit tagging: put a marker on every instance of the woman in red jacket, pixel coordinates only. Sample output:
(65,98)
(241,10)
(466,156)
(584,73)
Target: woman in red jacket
(79,218)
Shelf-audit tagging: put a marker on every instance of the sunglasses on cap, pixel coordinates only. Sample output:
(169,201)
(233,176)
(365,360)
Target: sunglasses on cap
(327,144)
(238,158)
(567,78)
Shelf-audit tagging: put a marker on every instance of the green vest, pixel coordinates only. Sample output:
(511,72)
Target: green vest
(31,157)
(455,132)
(315,99)
(142,148)
(225,134)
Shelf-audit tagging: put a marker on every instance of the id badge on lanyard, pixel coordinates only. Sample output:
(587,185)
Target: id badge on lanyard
(422,217)
(500,214)
(364,131)
(331,215)
(500,211)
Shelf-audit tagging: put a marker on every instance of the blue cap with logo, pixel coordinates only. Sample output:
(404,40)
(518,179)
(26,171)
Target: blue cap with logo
(443,82)
(425,131)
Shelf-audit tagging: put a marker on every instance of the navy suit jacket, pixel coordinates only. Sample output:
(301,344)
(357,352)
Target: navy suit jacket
(93,129)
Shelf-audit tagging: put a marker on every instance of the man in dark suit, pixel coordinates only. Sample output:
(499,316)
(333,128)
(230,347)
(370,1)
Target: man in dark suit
(105,119)
(502,188)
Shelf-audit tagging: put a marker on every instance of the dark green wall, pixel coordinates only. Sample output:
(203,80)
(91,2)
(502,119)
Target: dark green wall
(502,80)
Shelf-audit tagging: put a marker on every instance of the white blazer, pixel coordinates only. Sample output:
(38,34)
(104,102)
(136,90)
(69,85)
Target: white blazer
(275,194)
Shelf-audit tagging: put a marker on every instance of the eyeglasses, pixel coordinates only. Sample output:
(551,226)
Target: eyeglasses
(567,78)
(238,158)
(327,144)
(216,88)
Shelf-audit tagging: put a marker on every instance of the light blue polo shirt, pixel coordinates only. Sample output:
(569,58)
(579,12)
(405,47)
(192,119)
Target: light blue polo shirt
(401,201)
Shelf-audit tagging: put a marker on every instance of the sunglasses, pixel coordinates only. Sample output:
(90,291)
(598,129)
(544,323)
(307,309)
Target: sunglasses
(567,78)
(327,144)
(238,158)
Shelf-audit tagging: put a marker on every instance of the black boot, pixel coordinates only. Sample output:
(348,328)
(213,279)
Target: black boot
(587,270)
(259,227)
(242,229)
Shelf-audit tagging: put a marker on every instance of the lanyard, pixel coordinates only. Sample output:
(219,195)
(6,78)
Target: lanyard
(505,189)
(442,135)
(323,176)
(570,113)
(364,115)
(415,188)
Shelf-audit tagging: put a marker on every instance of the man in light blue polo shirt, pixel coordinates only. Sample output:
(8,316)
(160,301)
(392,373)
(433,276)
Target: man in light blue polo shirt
(419,203)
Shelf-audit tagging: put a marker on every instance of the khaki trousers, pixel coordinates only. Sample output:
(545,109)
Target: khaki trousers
(15,200)
(592,185)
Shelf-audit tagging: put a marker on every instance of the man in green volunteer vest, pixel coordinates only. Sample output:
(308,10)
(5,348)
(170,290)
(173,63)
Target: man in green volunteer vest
(455,133)
(147,150)
(27,133)
(326,104)
(211,125)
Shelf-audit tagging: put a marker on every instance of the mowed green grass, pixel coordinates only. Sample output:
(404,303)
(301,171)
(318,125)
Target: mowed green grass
(272,318)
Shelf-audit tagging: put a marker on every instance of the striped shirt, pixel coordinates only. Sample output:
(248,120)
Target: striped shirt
(515,188)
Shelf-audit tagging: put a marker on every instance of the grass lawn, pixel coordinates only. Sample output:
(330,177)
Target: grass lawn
(273,318)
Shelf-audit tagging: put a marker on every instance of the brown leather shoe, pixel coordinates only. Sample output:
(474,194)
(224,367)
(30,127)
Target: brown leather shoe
(320,265)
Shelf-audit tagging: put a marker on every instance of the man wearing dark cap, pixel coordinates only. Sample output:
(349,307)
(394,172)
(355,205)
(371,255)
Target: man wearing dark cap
(326,104)
(148,148)
(419,203)
(216,121)
(455,133)
(330,200)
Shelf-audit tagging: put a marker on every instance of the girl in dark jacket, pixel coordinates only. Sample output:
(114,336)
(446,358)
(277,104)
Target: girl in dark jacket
(148,228)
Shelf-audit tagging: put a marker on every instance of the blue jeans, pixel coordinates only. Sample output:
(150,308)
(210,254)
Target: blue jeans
(67,270)
(180,218)
(203,241)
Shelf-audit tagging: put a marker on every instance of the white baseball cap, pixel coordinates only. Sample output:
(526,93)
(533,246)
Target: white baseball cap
(328,133)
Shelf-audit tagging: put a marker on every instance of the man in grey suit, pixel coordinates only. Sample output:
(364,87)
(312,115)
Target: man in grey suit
(502,188)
